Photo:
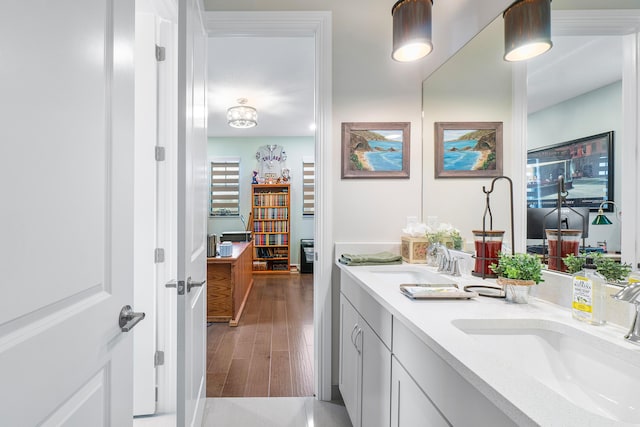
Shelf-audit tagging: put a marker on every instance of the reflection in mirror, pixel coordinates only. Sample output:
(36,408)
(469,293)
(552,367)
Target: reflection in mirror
(575,91)
(475,84)
(472,86)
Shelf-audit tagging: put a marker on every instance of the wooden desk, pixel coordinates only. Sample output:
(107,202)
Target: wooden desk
(229,281)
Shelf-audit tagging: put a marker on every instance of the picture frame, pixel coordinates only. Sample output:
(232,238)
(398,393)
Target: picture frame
(468,149)
(375,149)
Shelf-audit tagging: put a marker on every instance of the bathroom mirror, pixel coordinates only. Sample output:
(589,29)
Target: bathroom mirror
(478,68)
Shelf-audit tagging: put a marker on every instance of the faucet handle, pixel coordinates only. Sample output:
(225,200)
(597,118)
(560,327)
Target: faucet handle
(454,268)
(630,293)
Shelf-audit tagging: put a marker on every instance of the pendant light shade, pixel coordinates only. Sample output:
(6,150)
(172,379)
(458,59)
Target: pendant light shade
(242,116)
(411,29)
(601,218)
(527,29)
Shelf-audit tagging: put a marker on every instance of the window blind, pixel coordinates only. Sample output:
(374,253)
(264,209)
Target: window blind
(225,188)
(308,188)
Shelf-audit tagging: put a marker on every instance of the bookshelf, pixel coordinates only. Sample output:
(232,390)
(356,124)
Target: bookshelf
(271,243)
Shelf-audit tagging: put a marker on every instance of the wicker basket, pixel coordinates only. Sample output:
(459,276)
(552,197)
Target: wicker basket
(515,282)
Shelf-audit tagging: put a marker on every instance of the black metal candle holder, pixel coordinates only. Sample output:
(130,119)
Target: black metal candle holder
(487,211)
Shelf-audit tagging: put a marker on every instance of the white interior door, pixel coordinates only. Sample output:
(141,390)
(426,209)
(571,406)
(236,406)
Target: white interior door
(66,182)
(192,213)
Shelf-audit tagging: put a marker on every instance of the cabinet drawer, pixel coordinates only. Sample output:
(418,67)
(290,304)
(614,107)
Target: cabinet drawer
(378,318)
(443,385)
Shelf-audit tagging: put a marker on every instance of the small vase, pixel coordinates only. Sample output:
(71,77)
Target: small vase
(432,254)
(516,291)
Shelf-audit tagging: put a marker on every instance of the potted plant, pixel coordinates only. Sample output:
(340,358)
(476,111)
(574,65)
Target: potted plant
(614,272)
(517,273)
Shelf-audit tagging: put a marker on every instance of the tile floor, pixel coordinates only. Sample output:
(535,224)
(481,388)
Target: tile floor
(262,412)
(274,412)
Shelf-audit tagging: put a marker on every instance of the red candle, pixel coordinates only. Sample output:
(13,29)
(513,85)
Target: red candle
(491,250)
(570,245)
(487,244)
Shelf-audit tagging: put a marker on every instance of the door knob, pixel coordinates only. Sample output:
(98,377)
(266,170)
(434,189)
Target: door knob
(128,318)
(191,284)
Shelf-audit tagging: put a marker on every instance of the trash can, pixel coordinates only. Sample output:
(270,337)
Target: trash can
(306,255)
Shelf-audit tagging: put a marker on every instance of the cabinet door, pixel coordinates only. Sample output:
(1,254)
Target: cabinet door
(350,367)
(376,379)
(410,407)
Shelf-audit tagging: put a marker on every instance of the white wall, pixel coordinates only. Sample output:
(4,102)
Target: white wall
(369,86)
(474,85)
(592,113)
(246,148)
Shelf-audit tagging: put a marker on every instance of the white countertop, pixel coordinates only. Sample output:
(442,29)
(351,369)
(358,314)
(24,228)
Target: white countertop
(522,397)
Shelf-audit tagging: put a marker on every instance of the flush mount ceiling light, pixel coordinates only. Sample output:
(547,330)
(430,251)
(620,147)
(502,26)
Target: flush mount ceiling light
(411,29)
(242,116)
(527,29)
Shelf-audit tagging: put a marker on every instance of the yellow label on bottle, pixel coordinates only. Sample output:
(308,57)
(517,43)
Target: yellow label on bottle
(583,295)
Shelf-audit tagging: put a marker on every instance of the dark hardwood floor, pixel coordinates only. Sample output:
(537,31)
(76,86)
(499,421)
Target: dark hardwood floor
(270,352)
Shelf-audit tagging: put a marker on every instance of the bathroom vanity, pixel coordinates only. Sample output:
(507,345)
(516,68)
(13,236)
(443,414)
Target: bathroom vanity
(476,362)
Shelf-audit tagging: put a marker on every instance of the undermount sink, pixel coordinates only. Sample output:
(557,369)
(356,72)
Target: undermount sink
(408,275)
(594,374)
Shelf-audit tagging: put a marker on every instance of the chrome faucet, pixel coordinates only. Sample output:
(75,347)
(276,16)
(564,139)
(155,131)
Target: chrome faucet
(443,257)
(631,294)
(447,263)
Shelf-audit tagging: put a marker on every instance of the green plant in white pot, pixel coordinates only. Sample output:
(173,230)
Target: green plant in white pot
(517,273)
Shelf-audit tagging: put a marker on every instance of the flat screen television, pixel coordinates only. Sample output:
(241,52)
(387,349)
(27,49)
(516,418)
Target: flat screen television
(536,222)
(587,167)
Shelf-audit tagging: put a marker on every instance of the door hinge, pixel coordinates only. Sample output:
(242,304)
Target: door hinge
(158,358)
(158,255)
(160,153)
(161,53)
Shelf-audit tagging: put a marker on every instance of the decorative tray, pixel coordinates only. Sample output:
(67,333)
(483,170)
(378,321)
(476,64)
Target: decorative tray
(435,291)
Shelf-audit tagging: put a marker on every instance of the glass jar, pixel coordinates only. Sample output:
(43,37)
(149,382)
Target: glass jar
(488,244)
(570,244)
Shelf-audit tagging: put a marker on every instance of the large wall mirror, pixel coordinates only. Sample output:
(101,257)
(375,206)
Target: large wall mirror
(586,85)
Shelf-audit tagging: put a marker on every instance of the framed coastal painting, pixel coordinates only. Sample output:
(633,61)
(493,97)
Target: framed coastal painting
(375,150)
(468,149)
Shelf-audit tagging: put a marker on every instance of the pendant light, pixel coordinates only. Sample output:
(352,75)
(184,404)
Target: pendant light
(411,29)
(242,116)
(601,218)
(527,29)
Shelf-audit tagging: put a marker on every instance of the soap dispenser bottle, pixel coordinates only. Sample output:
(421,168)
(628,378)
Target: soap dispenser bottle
(589,294)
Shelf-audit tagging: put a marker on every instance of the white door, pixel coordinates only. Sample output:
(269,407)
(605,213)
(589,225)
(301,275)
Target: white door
(66,218)
(192,214)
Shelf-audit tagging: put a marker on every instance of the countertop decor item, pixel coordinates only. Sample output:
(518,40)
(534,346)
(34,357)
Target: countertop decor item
(614,272)
(517,273)
(488,242)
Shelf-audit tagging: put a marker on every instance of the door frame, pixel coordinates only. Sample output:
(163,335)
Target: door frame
(318,26)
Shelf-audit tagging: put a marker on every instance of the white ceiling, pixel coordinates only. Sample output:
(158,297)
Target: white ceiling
(574,66)
(275,75)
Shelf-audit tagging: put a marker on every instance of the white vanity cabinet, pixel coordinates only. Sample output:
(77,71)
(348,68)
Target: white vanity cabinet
(410,406)
(458,402)
(365,358)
